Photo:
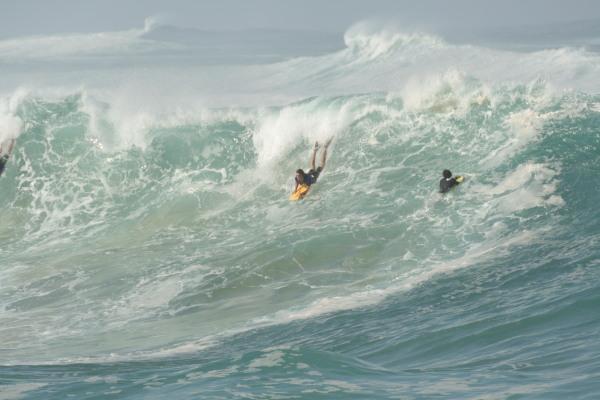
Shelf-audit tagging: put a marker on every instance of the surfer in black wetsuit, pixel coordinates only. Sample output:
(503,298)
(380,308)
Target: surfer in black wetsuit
(4,157)
(448,182)
(313,173)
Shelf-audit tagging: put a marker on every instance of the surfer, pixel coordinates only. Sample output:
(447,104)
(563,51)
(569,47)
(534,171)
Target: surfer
(306,179)
(448,182)
(4,157)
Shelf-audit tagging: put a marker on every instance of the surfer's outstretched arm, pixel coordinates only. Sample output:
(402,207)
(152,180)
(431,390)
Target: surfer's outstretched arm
(324,154)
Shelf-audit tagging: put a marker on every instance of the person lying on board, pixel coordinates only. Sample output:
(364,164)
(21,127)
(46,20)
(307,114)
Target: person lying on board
(306,179)
(448,182)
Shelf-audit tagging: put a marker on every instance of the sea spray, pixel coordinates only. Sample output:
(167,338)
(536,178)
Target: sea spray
(148,245)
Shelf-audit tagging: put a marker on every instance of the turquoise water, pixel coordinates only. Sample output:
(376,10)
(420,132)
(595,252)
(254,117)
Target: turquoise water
(149,249)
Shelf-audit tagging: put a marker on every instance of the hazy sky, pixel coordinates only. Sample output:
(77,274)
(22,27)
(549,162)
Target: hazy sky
(33,17)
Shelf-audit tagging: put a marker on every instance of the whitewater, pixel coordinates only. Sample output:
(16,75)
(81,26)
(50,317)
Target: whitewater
(148,247)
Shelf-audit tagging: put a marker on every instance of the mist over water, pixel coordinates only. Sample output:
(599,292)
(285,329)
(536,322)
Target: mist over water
(149,247)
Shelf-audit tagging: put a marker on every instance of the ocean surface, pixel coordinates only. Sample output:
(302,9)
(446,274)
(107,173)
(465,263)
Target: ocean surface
(148,249)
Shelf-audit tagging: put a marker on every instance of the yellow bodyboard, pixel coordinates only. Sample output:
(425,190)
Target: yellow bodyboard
(460,178)
(300,192)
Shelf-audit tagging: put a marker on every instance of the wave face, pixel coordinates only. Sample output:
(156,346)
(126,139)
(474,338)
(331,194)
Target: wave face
(149,249)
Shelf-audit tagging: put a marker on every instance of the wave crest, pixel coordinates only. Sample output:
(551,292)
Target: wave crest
(374,41)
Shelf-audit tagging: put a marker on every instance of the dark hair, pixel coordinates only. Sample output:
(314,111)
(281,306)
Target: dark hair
(300,171)
(447,174)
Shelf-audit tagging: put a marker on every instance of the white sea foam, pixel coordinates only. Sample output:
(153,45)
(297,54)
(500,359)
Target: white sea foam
(449,92)
(377,58)
(10,123)
(277,133)
(371,40)
(19,390)
(425,101)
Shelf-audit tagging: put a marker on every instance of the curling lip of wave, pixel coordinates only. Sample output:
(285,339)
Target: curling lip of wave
(374,43)
(156,38)
(55,47)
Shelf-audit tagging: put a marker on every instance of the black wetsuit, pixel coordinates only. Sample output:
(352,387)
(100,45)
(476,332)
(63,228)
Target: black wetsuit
(447,184)
(3,161)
